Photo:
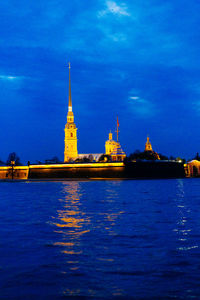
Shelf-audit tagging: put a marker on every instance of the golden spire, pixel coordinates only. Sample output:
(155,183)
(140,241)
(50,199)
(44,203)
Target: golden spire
(110,135)
(117,129)
(70,152)
(70,96)
(70,115)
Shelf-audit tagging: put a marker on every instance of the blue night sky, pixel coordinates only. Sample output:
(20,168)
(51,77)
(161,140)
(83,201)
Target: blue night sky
(135,59)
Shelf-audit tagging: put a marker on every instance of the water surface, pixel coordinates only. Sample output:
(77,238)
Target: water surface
(131,239)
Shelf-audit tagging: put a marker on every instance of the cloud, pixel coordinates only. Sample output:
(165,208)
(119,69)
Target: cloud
(10,83)
(115,9)
(7,77)
(137,99)
(11,78)
(118,37)
(139,105)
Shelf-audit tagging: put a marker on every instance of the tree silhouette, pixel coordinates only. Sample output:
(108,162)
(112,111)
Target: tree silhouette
(145,155)
(1,163)
(53,160)
(197,157)
(104,158)
(13,157)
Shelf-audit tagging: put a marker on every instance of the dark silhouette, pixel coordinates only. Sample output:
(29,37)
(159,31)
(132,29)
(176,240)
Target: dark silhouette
(13,157)
(145,155)
(104,158)
(2,163)
(163,157)
(172,157)
(197,157)
(53,160)
(85,159)
(91,158)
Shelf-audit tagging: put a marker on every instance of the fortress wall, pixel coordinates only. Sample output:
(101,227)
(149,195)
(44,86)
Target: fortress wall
(18,172)
(84,171)
(140,169)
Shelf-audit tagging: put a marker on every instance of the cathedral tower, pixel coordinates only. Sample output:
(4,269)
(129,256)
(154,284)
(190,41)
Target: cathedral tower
(114,148)
(71,152)
(148,146)
(110,144)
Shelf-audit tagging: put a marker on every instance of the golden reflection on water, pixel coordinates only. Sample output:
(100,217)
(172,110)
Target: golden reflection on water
(71,221)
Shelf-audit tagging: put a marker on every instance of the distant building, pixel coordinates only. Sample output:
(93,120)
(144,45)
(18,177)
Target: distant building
(148,146)
(192,168)
(110,145)
(71,152)
(113,148)
(118,154)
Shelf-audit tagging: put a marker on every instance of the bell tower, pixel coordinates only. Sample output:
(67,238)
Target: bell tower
(148,146)
(71,152)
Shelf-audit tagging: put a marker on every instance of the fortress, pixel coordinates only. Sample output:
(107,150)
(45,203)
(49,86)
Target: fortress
(112,148)
(108,165)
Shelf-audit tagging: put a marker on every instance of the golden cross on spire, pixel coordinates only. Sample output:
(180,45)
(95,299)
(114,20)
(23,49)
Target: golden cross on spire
(117,131)
(70,97)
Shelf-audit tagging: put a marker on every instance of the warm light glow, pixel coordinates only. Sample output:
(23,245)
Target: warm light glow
(16,168)
(14,172)
(82,165)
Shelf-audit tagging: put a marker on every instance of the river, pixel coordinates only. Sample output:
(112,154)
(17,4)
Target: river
(123,239)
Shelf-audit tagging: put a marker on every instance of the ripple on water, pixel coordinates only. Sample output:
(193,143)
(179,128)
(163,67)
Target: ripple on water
(134,239)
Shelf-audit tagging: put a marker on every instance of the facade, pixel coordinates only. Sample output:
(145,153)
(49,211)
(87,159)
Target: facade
(114,148)
(91,156)
(71,152)
(14,172)
(118,154)
(192,168)
(110,145)
(149,150)
(148,146)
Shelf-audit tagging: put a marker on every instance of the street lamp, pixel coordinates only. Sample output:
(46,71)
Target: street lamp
(12,164)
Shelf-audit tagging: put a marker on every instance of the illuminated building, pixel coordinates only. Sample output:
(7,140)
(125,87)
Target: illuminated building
(148,146)
(192,168)
(110,145)
(118,154)
(114,148)
(71,152)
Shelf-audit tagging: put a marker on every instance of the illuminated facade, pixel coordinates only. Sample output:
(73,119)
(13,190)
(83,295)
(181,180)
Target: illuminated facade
(114,148)
(192,168)
(71,152)
(148,146)
(110,145)
(118,154)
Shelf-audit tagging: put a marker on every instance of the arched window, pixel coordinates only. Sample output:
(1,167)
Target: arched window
(71,134)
